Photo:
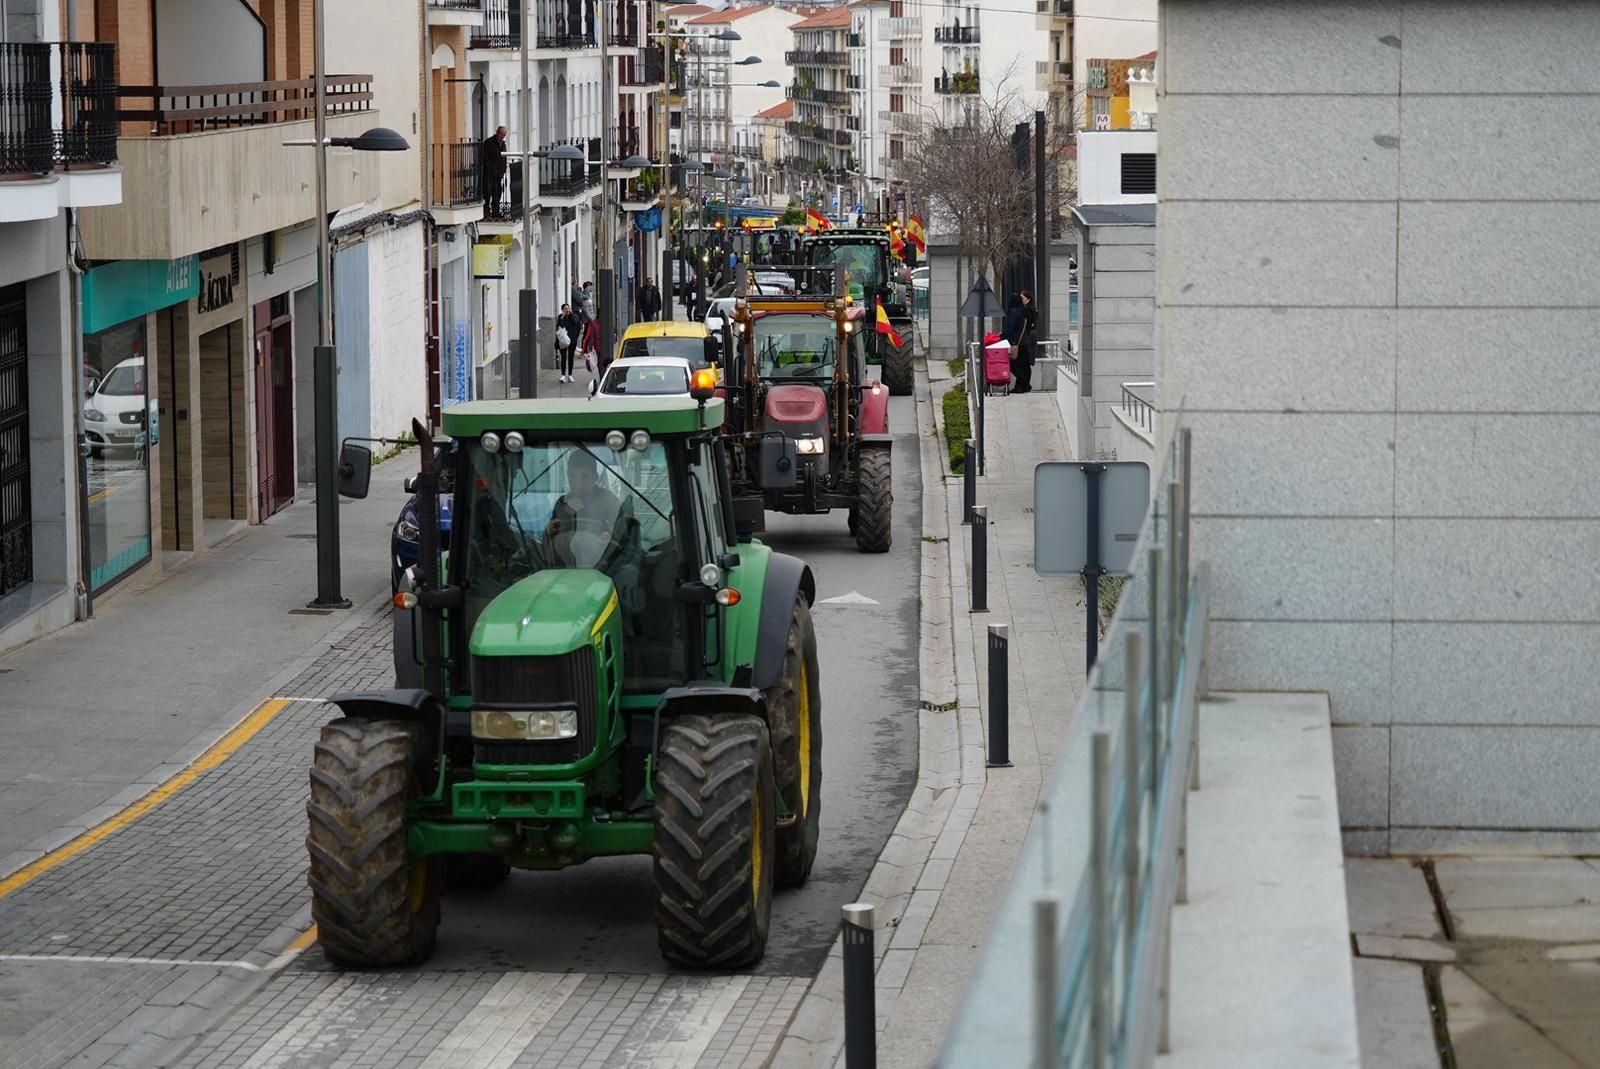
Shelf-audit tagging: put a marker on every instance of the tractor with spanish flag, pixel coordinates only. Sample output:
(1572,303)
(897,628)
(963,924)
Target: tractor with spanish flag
(807,429)
(877,277)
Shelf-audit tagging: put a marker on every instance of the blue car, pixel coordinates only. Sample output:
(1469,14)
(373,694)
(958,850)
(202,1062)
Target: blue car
(405,547)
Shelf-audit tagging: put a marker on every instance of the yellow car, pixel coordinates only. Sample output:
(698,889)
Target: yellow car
(689,340)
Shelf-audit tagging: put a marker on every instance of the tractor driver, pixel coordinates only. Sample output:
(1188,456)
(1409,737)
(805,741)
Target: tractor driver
(591,527)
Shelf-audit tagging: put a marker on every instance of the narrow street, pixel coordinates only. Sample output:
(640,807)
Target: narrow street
(193,907)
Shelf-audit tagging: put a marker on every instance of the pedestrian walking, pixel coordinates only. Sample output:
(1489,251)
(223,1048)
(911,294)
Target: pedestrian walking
(591,348)
(1027,347)
(577,297)
(649,301)
(569,332)
(589,311)
(494,168)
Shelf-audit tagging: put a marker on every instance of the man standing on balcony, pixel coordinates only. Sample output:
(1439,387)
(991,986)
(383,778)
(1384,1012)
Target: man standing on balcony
(494,169)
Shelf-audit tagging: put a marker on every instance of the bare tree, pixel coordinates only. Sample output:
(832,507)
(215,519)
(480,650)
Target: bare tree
(965,172)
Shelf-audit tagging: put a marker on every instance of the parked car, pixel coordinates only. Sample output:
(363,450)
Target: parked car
(405,542)
(114,414)
(644,376)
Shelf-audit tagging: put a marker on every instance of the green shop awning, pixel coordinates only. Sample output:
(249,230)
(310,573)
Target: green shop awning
(127,289)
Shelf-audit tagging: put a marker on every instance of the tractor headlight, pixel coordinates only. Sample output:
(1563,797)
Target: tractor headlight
(812,446)
(617,441)
(490,442)
(514,442)
(639,440)
(524,725)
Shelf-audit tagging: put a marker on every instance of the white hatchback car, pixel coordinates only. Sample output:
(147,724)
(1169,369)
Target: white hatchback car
(114,415)
(643,376)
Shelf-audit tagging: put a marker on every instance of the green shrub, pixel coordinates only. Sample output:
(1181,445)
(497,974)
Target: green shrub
(958,366)
(957,427)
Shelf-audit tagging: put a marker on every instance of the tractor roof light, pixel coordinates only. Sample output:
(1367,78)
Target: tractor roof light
(639,440)
(704,384)
(490,442)
(711,575)
(617,441)
(514,442)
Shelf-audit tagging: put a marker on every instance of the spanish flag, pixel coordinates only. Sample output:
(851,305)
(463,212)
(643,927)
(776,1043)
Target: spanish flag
(919,236)
(885,327)
(816,221)
(897,244)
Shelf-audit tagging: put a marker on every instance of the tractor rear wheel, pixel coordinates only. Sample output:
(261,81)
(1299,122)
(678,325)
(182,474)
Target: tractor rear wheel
(897,373)
(794,708)
(373,905)
(716,810)
(874,502)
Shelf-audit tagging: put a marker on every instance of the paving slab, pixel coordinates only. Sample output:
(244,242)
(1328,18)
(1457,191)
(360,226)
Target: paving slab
(1399,948)
(1390,897)
(1516,882)
(1553,924)
(1392,1011)
(1486,1034)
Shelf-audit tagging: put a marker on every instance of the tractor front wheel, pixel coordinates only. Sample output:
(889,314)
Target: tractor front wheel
(874,502)
(794,708)
(373,905)
(897,373)
(716,810)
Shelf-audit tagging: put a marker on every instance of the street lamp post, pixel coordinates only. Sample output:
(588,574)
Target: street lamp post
(325,368)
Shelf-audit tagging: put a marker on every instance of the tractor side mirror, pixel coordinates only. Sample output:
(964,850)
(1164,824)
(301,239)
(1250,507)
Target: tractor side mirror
(713,348)
(355,470)
(778,468)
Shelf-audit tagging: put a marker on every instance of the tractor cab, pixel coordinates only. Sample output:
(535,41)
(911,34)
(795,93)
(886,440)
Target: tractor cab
(872,276)
(801,378)
(587,645)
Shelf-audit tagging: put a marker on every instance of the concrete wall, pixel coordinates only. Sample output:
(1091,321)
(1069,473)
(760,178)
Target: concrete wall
(1377,298)
(398,329)
(384,39)
(1117,339)
(209,42)
(1100,165)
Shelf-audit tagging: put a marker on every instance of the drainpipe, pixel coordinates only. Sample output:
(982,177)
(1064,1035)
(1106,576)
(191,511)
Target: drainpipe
(84,599)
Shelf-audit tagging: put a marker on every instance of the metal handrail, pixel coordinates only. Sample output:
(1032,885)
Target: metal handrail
(1139,411)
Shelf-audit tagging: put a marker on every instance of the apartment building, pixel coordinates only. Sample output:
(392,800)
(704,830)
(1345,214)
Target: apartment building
(825,142)
(876,71)
(732,82)
(194,312)
(58,155)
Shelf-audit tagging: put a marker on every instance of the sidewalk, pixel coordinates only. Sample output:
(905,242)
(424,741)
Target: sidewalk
(98,713)
(951,856)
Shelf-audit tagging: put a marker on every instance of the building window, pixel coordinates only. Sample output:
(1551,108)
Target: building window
(1138,173)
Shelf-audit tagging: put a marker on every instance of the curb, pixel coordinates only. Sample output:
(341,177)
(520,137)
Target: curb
(909,876)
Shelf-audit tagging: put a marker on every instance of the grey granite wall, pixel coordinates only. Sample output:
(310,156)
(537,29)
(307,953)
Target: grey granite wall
(1379,301)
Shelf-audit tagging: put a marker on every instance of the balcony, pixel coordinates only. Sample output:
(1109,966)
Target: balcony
(962,83)
(457,195)
(455,12)
(209,166)
(816,57)
(905,122)
(853,81)
(1053,74)
(900,74)
(638,194)
(646,73)
(955,34)
(818,96)
(495,42)
(567,183)
(897,29)
(843,138)
(1060,9)
(58,128)
(855,40)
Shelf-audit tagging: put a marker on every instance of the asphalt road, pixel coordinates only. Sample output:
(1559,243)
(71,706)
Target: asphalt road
(598,916)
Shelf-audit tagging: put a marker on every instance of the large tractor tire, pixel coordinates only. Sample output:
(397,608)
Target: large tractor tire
(794,708)
(874,502)
(372,904)
(897,372)
(716,816)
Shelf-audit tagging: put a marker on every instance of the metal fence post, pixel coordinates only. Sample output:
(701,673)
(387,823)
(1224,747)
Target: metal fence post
(1133,786)
(999,698)
(1100,978)
(980,558)
(1046,989)
(1157,668)
(860,999)
(982,466)
(969,481)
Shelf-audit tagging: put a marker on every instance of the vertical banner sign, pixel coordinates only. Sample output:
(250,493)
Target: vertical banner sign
(457,383)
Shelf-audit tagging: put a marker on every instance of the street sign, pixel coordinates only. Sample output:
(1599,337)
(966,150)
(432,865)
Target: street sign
(982,302)
(1061,507)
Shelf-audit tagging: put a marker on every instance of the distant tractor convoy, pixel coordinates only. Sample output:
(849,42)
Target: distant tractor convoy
(594,654)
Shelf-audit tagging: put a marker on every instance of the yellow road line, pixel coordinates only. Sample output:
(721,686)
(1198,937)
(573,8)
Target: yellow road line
(101,496)
(219,752)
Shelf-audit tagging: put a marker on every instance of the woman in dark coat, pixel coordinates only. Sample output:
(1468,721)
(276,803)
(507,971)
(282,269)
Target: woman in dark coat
(1027,346)
(1012,329)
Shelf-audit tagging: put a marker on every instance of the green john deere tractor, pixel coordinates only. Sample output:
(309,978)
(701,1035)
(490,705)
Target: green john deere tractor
(595,660)
(873,274)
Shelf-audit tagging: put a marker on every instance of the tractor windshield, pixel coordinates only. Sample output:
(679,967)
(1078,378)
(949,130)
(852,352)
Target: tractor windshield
(795,346)
(571,504)
(862,265)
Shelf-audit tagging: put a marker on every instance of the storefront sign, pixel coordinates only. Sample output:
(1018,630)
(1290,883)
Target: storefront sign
(127,289)
(489,260)
(216,286)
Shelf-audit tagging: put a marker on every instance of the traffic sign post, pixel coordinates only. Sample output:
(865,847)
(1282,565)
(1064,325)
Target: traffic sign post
(1086,522)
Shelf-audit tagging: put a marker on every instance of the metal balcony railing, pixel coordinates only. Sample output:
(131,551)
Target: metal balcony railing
(854,40)
(191,109)
(901,27)
(816,57)
(819,96)
(47,122)
(1053,69)
(458,5)
(900,74)
(569,178)
(457,174)
(1062,8)
(512,40)
(964,83)
(955,34)
(648,71)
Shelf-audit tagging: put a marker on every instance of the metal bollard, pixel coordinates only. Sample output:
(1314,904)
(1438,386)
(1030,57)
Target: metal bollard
(980,558)
(969,482)
(999,698)
(860,999)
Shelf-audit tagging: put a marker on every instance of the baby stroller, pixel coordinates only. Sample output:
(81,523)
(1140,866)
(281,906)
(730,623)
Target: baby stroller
(997,366)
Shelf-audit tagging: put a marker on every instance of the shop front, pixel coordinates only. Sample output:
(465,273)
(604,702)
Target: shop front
(121,422)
